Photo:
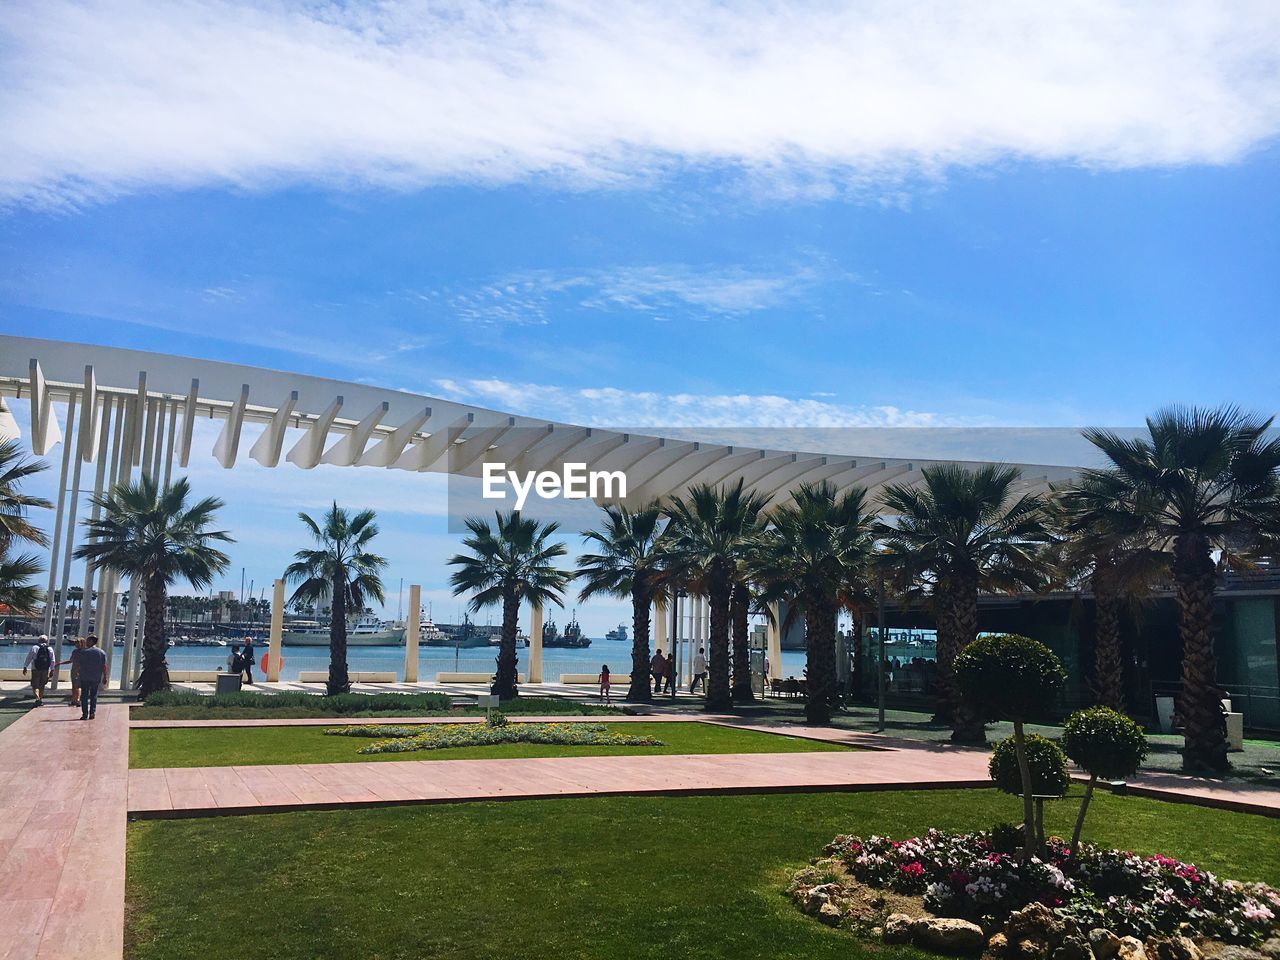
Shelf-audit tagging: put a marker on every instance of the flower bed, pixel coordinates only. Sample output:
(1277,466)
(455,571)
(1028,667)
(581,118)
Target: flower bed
(404,739)
(977,877)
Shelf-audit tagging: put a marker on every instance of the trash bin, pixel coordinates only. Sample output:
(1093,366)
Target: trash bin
(228,683)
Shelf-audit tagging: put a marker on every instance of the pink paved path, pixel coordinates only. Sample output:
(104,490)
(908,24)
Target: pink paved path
(62,834)
(198,791)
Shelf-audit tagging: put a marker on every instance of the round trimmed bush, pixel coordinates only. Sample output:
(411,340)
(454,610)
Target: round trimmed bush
(1045,758)
(1009,677)
(1104,742)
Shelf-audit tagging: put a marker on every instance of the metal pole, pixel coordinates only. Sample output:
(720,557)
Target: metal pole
(880,657)
(106,628)
(168,453)
(148,466)
(57,517)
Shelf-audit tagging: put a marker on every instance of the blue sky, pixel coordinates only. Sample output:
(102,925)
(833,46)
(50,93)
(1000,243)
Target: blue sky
(782,215)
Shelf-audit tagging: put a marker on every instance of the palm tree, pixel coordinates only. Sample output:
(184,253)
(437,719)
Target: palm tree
(739,627)
(155,536)
(712,531)
(339,569)
(15,505)
(819,544)
(1106,540)
(1214,478)
(18,596)
(963,532)
(509,562)
(629,564)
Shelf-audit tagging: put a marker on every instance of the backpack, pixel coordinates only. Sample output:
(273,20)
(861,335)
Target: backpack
(43,657)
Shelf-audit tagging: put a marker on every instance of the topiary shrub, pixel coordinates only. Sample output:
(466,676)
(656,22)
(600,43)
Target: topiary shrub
(1045,759)
(1009,677)
(1006,676)
(1104,743)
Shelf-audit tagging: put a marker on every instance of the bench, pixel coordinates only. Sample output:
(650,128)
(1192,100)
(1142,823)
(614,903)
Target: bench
(15,673)
(194,676)
(355,676)
(593,679)
(471,678)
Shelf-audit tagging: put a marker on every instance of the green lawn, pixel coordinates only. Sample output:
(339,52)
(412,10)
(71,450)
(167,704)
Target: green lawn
(228,746)
(647,878)
(295,705)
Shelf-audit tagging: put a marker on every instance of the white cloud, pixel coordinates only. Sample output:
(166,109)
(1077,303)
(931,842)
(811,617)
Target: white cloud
(609,406)
(532,297)
(99,97)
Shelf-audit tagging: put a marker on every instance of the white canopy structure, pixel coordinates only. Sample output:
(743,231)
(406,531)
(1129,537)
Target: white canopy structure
(129,410)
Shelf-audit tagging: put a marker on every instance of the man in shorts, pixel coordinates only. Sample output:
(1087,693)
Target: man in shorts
(40,662)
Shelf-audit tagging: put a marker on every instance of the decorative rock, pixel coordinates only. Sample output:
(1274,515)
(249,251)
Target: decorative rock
(1234,951)
(998,943)
(1073,948)
(1030,948)
(1172,948)
(1271,948)
(1035,921)
(1104,943)
(897,928)
(819,896)
(948,935)
(1130,948)
(829,914)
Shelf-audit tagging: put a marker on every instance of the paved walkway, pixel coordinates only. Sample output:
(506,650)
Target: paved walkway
(207,791)
(62,834)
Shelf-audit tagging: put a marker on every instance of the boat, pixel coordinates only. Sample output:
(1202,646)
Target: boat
(618,633)
(460,635)
(572,636)
(363,631)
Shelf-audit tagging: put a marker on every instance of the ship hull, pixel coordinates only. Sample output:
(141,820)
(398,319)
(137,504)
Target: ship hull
(384,638)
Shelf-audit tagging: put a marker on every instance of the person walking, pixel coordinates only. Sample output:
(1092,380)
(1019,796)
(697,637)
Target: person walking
(669,676)
(93,675)
(699,671)
(75,671)
(604,684)
(39,660)
(246,654)
(658,668)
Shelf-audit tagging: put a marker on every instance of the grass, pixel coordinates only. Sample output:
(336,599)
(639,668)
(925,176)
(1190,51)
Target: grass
(611,878)
(292,705)
(228,746)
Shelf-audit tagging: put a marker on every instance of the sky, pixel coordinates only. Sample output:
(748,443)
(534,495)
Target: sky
(682,216)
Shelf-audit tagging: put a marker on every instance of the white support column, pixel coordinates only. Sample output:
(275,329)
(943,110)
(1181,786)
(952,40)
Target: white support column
(277,632)
(774,640)
(105,622)
(188,423)
(56,543)
(307,451)
(169,445)
(411,634)
(350,448)
(535,643)
(227,445)
(266,449)
(44,423)
(99,481)
(86,426)
(660,625)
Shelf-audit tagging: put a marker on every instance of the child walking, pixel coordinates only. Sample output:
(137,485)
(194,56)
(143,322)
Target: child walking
(605,694)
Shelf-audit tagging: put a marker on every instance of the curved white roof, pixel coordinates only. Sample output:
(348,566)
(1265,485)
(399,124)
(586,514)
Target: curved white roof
(355,424)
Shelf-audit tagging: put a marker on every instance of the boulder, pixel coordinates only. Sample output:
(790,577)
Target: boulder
(897,928)
(829,914)
(1104,943)
(1172,948)
(948,935)
(1073,948)
(1271,948)
(1130,948)
(1035,921)
(1233,951)
(998,943)
(1029,948)
(817,897)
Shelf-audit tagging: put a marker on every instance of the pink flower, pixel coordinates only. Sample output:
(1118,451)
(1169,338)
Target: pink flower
(913,869)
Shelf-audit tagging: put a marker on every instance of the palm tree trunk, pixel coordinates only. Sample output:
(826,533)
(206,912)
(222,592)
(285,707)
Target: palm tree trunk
(1108,671)
(949,630)
(1024,771)
(155,670)
(719,697)
(820,657)
(1205,746)
(640,690)
(339,679)
(966,724)
(505,684)
(739,601)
